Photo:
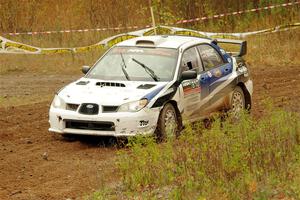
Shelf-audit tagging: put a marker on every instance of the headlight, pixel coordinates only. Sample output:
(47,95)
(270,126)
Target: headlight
(58,102)
(133,106)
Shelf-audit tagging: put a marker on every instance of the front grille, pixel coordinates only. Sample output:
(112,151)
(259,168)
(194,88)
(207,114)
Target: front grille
(109,109)
(89,109)
(90,125)
(72,107)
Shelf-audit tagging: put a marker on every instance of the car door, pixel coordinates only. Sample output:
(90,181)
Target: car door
(192,89)
(217,71)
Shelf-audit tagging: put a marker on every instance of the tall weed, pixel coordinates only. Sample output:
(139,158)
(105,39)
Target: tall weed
(248,159)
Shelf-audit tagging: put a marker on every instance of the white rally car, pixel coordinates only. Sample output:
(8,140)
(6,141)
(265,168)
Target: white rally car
(148,85)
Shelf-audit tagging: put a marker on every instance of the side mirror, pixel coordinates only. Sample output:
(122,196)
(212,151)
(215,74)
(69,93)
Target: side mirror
(85,69)
(187,75)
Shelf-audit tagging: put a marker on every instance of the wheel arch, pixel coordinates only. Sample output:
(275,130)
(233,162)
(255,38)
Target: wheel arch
(248,101)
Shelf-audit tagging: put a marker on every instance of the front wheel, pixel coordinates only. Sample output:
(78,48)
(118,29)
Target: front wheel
(168,125)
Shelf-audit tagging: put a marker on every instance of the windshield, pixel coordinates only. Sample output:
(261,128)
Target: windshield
(136,64)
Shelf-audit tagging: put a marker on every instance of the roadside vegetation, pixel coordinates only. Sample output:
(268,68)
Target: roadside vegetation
(248,159)
(270,49)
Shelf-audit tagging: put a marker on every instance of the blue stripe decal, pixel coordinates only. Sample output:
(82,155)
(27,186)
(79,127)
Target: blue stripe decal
(152,94)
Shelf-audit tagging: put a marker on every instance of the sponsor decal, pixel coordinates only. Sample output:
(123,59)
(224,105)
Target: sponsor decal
(209,74)
(223,51)
(191,87)
(217,73)
(144,123)
(136,50)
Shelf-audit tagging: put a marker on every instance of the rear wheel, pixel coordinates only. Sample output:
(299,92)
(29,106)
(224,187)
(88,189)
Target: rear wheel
(237,101)
(168,125)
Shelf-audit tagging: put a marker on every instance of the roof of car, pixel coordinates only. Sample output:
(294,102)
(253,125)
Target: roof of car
(163,41)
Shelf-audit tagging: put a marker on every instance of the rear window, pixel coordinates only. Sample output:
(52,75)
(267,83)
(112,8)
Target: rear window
(210,57)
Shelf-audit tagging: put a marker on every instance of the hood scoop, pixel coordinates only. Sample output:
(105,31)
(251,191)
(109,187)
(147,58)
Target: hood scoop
(146,86)
(110,84)
(82,83)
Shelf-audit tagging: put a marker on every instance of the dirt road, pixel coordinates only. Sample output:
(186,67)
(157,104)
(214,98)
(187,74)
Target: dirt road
(35,164)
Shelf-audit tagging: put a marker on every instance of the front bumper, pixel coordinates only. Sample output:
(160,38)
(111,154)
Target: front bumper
(125,123)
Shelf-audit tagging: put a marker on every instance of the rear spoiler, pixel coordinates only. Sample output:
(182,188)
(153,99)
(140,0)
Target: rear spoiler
(242,43)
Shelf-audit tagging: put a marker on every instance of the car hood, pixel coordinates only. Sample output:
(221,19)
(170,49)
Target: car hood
(108,92)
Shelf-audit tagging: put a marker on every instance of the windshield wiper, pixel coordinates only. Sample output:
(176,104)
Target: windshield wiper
(148,70)
(123,65)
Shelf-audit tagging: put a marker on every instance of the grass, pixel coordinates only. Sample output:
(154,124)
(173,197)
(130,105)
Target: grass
(47,64)
(250,159)
(277,49)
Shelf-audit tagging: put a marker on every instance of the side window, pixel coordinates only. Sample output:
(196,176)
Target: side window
(191,60)
(210,57)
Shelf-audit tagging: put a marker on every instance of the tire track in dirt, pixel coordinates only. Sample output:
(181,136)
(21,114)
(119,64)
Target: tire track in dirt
(38,165)
(35,164)
(279,83)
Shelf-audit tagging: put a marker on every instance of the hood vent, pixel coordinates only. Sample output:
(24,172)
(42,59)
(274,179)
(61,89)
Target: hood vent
(110,84)
(145,86)
(145,43)
(82,83)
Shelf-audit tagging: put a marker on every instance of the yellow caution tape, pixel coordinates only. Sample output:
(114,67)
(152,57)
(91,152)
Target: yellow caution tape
(89,48)
(8,46)
(224,37)
(20,46)
(56,51)
(190,33)
(119,39)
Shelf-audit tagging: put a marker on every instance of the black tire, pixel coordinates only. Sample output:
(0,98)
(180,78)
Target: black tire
(168,125)
(237,101)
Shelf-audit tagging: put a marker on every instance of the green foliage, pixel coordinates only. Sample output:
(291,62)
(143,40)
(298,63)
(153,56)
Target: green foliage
(99,195)
(248,159)
(159,31)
